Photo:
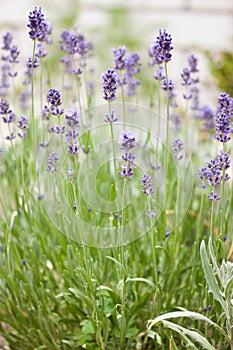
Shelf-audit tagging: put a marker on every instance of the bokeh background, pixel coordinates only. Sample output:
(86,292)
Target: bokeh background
(202,27)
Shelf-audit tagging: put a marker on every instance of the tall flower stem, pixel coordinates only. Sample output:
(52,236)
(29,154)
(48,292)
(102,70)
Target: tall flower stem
(152,239)
(123,318)
(212,221)
(32,97)
(222,204)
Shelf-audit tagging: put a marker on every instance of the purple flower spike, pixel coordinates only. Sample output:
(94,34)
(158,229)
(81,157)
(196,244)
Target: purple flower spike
(23,125)
(53,161)
(38,25)
(177,147)
(110,82)
(147,185)
(193,61)
(160,49)
(7,40)
(119,59)
(223,128)
(54,97)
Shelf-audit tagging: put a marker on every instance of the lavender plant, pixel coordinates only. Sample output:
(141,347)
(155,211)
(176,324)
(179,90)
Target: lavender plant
(94,240)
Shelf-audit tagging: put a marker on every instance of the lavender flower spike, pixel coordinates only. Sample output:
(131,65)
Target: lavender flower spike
(160,49)
(110,83)
(53,161)
(38,25)
(147,185)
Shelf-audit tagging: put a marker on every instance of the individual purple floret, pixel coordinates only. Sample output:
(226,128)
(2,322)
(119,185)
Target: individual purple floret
(57,129)
(10,137)
(110,83)
(110,118)
(40,51)
(167,85)
(74,148)
(147,185)
(72,118)
(38,25)
(22,124)
(129,157)
(151,214)
(53,162)
(32,64)
(177,147)
(213,196)
(160,49)
(159,73)
(127,140)
(126,170)
(4,107)
(70,175)
(71,135)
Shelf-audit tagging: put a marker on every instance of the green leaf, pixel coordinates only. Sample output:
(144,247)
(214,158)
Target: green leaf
(214,261)
(210,276)
(140,279)
(118,263)
(88,328)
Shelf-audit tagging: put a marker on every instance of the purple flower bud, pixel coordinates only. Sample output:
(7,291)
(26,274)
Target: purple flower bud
(177,147)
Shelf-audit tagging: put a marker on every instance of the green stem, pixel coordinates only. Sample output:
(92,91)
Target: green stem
(212,221)
(33,106)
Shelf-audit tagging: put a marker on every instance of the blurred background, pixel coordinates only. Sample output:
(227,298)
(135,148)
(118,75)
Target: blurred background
(202,27)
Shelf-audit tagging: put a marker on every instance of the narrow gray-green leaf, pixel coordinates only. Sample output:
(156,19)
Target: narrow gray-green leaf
(210,276)
(191,334)
(214,261)
(189,314)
